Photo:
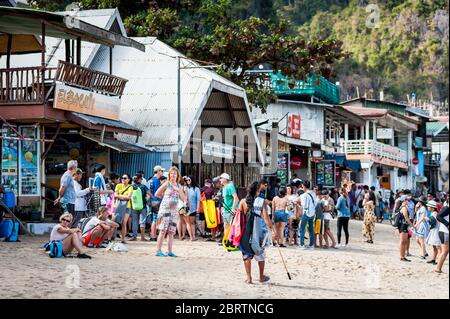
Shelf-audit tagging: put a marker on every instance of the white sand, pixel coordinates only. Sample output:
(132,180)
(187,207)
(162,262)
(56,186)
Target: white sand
(205,270)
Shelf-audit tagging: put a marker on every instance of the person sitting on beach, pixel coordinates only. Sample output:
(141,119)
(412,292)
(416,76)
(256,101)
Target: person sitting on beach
(70,237)
(99,229)
(256,232)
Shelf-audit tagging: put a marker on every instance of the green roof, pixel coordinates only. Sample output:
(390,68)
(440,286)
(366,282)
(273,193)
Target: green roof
(434,128)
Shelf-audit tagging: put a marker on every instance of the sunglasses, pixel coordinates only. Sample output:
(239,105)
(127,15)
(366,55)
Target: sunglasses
(66,220)
(124,177)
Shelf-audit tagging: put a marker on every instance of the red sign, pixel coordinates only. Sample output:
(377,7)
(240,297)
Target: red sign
(415,161)
(296,163)
(293,127)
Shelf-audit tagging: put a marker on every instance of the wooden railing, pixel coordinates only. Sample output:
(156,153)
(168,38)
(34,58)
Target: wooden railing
(24,85)
(89,79)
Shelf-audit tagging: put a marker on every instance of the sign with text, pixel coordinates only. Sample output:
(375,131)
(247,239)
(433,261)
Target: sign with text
(385,133)
(217,150)
(293,126)
(83,101)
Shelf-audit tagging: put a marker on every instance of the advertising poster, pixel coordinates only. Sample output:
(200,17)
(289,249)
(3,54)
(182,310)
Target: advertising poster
(9,161)
(282,171)
(325,173)
(29,163)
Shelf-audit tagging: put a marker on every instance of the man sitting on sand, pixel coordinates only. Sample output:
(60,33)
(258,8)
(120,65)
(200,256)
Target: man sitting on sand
(99,229)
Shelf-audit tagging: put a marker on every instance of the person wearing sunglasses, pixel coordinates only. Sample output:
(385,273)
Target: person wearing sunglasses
(70,237)
(122,194)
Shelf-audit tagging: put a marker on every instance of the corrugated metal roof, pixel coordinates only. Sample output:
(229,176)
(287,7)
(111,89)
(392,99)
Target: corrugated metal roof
(149,101)
(102,121)
(434,128)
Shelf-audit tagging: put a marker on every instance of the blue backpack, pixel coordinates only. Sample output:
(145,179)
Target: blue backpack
(55,249)
(10,230)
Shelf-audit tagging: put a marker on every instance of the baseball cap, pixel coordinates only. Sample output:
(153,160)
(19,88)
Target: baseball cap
(225,176)
(209,181)
(158,168)
(216,180)
(79,171)
(403,198)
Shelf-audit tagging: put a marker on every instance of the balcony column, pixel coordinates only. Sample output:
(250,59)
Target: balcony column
(374,131)
(345,137)
(367,130)
(355,130)
(361,133)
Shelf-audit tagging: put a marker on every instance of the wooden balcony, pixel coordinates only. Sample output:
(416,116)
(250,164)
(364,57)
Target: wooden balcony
(32,85)
(432,159)
(369,147)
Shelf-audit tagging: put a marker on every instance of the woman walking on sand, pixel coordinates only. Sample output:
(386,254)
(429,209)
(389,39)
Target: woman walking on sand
(280,217)
(422,226)
(256,234)
(168,215)
(369,220)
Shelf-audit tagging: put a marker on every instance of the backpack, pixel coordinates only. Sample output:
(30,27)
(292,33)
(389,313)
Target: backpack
(396,218)
(83,223)
(432,222)
(10,230)
(136,199)
(55,249)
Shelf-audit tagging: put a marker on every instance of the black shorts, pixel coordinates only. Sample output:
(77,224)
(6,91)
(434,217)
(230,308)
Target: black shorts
(403,228)
(155,207)
(201,216)
(192,214)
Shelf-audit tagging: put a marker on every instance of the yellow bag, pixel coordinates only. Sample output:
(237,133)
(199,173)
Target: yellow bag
(318,227)
(226,243)
(209,209)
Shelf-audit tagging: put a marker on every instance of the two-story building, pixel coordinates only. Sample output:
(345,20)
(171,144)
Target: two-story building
(52,107)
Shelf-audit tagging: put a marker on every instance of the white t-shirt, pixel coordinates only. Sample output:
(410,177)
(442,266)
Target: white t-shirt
(55,235)
(80,200)
(94,221)
(308,203)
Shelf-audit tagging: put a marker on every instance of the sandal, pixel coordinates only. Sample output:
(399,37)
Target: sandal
(438,271)
(160,254)
(171,254)
(84,256)
(404,259)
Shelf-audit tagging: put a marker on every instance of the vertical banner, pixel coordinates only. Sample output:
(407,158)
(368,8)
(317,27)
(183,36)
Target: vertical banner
(9,171)
(293,126)
(326,173)
(29,163)
(283,168)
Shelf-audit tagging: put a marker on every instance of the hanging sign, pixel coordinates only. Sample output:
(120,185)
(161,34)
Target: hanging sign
(293,126)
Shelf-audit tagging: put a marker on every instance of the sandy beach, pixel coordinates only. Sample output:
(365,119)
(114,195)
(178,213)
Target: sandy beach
(207,270)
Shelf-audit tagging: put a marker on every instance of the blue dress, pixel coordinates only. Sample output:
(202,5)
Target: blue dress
(424,228)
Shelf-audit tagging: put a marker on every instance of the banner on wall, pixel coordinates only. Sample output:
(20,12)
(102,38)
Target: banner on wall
(326,173)
(29,163)
(283,168)
(9,171)
(293,126)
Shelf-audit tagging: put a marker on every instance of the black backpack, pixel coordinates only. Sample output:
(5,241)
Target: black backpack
(397,218)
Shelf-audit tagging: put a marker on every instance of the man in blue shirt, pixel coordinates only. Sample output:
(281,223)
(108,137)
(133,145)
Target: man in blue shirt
(155,183)
(66,193)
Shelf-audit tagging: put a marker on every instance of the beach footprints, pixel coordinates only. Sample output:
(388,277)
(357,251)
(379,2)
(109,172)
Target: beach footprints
(372,276)
(72,277)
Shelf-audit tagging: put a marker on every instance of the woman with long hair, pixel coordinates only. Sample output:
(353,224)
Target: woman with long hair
(291,210)
(170,192)
(193,195)
(183,211)
(280,217)
(256,233)
(343,216)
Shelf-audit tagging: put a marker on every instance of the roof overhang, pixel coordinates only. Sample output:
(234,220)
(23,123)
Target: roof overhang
(101,124)
(345,116)
(21,21)
(20,43)
(117,145)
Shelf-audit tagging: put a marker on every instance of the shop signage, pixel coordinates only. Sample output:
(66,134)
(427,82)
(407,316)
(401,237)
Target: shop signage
(317,154)
(83,101)
(385,133)
(326,173)
(415,161)
(296,163)
(293,126)
(217,150)
(10,152)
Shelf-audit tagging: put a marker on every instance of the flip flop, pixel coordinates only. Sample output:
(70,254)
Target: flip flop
(265,279)
(160,254)
(248,282)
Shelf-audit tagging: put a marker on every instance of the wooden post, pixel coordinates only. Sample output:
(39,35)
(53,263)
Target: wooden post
(78,51)
(110,60)
(67,48)
(42,93)
(8,51)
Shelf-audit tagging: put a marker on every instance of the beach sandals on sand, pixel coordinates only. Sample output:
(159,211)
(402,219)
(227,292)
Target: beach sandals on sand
(265,279)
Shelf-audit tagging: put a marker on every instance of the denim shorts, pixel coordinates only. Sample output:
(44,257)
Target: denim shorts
(280,216)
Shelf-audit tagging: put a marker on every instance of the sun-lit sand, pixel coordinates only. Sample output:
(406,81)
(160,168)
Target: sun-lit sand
(206,270)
